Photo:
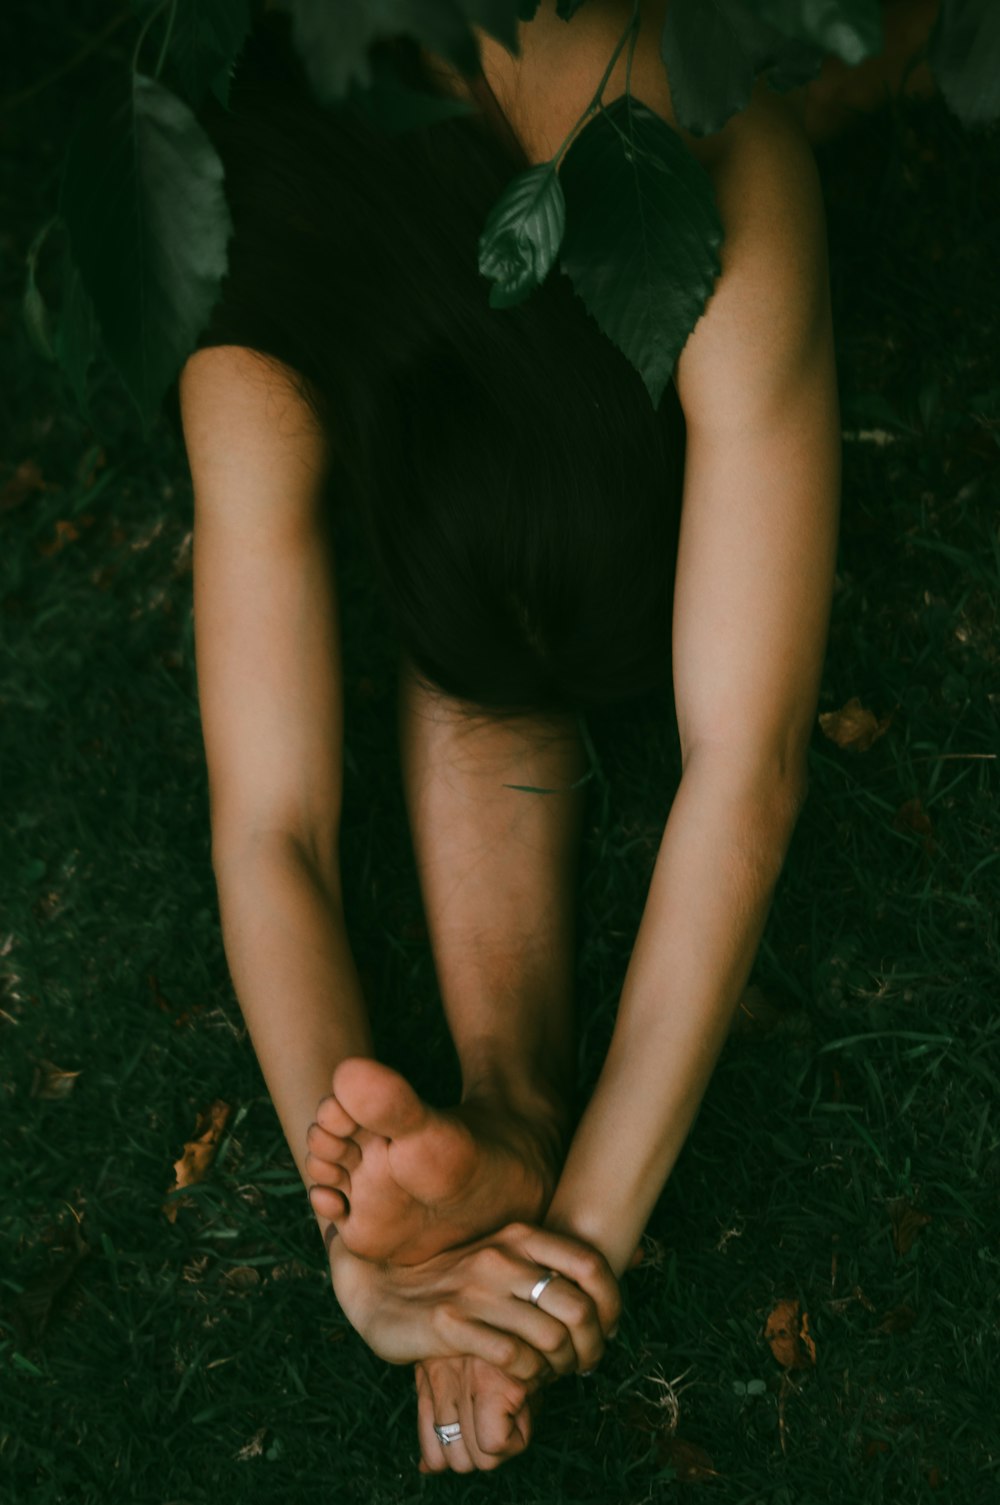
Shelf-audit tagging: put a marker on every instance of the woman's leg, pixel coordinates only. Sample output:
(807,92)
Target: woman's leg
(498,874)
(497,870)
(840,96)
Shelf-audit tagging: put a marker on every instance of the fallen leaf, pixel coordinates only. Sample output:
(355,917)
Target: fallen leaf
(32,1308)
(690,1462)
(242,1277)
(199,1152)
(51,1083)
(907,1222)
(911,816)
(898,1319)
(854,727)
(253,1448)
(26,480)
(66,532)
(166,1007)
(788,1335)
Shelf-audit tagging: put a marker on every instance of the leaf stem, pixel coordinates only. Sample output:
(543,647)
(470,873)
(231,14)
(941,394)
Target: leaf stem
(154,15)
(166,38)
(13,100)
(631,31)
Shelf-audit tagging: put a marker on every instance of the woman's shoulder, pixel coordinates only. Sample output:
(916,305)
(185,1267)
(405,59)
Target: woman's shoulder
(546,89)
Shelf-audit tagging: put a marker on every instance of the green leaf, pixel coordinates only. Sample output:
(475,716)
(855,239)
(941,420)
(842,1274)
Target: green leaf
(204,45)
(642,235)
(714,50)
(963,53)
(142,197)
(852,29)
(522,235)
(36,315)
(77,338)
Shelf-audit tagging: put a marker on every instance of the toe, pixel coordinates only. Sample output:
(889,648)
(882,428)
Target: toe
(328,1203)
(378,1098)
(322,1173)
(331,1148)
(334,1118)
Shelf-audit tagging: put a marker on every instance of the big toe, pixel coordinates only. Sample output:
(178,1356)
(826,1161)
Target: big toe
(378,1098)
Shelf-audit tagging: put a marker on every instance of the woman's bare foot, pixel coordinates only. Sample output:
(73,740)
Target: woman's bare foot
(402,1181)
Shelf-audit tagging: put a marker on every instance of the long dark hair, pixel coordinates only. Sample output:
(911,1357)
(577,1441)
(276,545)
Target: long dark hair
(518,493)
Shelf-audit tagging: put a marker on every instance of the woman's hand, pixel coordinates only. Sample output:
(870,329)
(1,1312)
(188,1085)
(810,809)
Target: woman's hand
(494,1413)
(474,1301)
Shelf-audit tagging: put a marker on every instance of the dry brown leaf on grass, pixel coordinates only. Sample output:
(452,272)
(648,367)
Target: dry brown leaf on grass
(50,1082)
(907,1222)
(32,1308)
(854,727)
(897,1320)
(25,481)
(690,1463)
(912,816)
(788,1335)
(199,1152)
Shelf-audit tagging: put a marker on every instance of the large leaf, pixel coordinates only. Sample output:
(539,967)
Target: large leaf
(852,29)
(78,337)
(142,196)
(206,40)
(713,51)
(964,57)
(642,237)
(522,235)
(36,315)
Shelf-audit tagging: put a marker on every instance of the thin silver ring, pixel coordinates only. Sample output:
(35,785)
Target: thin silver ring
(449,1433)
(539,1286)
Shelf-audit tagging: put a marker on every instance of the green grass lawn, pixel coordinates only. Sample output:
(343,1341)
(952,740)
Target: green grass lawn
(847,1153)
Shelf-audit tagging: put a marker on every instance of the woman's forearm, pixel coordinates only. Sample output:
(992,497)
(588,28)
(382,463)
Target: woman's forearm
(294,973)
(721,854)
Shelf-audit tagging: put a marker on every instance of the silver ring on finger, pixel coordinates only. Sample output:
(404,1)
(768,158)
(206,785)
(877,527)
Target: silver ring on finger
(449,1433)
(539,1286)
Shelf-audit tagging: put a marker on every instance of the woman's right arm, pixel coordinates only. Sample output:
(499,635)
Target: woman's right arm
(270,693)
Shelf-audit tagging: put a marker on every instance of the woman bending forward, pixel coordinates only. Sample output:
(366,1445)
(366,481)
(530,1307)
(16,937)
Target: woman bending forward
(484,1244)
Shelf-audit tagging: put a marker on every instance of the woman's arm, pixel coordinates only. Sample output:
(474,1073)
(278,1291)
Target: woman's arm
(754,584)
(269,690)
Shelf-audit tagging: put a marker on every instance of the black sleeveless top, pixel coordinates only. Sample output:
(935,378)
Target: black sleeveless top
(269,61)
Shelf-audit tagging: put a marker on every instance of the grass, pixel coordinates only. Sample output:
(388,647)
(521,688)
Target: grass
(847,1154)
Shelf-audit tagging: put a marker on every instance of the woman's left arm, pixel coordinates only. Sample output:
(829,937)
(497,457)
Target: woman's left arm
(755,570)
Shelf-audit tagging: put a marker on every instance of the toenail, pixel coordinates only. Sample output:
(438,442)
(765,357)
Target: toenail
(586,1373)
(614,1331)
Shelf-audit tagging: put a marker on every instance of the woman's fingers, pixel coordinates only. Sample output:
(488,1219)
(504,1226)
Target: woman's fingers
(444,1380)
(503,1349)
(431,1451)
(576,1260)
(576,1313)
(501,1415)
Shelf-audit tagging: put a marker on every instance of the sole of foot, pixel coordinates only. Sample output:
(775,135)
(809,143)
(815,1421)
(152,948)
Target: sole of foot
(402,1181)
